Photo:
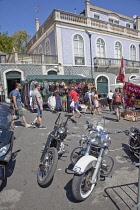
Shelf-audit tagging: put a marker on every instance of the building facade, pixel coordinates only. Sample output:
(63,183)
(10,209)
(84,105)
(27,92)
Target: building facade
(91,43)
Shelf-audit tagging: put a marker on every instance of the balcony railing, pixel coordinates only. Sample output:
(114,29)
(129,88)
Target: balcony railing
(32,58)
(37,59)
(111,62)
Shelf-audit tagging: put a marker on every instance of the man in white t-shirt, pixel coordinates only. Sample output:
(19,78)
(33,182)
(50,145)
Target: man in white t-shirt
(109,98)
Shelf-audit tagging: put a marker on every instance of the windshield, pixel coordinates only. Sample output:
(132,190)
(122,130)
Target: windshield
(101,122)
(5,119)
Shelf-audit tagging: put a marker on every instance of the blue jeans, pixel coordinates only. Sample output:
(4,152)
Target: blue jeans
(39,112)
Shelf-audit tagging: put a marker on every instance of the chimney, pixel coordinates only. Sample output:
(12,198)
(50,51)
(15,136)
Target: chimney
(87,8)
(37,24)
(138,23)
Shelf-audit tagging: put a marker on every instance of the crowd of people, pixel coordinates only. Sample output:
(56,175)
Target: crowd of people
(71,101)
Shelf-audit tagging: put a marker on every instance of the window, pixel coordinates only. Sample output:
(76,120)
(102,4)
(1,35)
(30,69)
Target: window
(118,53)
(128,25)
(116,22)
(118,50)
(97,17)
(100,48)
(133,52)
(78,50)
(48,47)
(110,20)
(40,51)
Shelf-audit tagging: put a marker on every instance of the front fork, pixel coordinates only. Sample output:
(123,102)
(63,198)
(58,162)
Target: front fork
(98,164)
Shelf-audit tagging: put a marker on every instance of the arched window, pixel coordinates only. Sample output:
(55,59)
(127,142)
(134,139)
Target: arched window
(118,50)
(133,52)
(35,52)
(100,48)
(78,50)
(40,50)
(47,49)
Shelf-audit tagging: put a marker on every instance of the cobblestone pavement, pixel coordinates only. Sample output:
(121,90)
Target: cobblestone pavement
(20,190)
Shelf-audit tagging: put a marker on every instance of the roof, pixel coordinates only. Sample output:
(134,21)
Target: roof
(55,77)
(110,12)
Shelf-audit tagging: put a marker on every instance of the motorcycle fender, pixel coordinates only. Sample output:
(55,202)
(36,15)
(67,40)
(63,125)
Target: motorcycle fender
(84,163)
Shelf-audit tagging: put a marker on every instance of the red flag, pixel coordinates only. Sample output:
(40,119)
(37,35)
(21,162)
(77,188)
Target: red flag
(121,75)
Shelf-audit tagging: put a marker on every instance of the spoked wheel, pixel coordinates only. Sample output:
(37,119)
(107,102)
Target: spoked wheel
(47,167)
(107,165)
(132,143)
(82,185)
(76,155)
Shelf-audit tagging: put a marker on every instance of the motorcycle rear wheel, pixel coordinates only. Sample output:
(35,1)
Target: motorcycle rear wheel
(82,186)
(47,167)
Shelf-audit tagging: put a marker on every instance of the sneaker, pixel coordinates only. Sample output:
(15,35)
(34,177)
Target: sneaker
(33,125)
(42,127)
(28,126)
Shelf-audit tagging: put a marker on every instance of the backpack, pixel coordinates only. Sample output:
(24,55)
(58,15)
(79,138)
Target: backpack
(118,98)
(10,96)
(86,97)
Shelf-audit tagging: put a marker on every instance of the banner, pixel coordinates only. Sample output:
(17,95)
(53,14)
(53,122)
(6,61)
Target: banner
(132,88)
(121,75)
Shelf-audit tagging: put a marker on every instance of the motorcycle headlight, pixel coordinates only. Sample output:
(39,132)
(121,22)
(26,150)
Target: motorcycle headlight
(84,137)
(4,150)
(61,130)
(95,138)
(105,139)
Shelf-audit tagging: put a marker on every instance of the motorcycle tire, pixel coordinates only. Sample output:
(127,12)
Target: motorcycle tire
(107,165)
(82,186)
(47,167)
(76,155)
(132,143)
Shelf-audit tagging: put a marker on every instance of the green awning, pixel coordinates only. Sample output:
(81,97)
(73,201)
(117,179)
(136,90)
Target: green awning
(55,77)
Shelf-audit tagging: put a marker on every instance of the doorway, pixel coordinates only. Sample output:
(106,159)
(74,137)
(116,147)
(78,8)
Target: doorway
(102,84)
(11,83)
(12,77)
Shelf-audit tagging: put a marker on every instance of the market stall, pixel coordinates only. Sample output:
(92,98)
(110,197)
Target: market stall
(132,101)
(50,84)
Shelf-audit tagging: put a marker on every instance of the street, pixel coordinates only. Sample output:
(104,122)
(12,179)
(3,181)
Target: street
(20,190)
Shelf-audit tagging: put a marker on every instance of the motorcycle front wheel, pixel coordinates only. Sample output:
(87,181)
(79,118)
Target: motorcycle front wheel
(132,144)
(76,155)
(82,186)
(47,166)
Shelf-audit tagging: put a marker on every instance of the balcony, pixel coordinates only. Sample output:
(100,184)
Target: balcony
(111,64)
(32,58)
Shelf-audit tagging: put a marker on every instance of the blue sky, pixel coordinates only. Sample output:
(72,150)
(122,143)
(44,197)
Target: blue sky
(20,14)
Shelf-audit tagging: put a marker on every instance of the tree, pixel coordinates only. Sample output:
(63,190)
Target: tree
(21,38)
(6,42)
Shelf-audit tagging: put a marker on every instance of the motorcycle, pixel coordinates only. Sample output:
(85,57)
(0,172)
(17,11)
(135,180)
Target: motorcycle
(134,141)
(6,136)
(90,160)
(53,150)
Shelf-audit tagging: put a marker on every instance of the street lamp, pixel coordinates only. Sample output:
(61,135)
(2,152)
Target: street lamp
(89,35)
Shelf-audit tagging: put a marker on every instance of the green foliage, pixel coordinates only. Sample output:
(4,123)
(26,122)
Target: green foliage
(6,42)
(21,38)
